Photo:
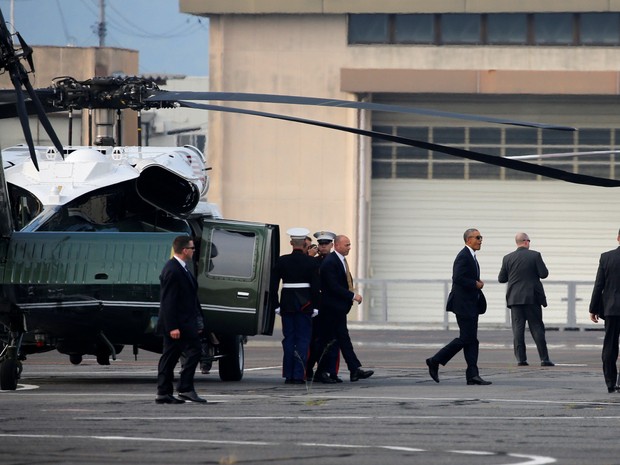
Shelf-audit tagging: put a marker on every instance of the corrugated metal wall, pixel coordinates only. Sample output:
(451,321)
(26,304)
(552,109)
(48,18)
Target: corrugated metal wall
(417,228)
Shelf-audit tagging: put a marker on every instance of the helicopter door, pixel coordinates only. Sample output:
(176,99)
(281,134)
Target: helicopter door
(234,270)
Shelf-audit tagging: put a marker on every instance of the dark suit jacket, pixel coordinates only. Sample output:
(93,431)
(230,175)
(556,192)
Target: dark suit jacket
(605,299)
(335,294)
(465,298)
(522,270)
(296,267)
(179,307)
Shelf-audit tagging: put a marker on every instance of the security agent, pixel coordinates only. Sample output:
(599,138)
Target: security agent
(297,304)
(325,241)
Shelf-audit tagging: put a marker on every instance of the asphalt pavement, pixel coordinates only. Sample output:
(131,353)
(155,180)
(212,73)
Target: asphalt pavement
(92,414)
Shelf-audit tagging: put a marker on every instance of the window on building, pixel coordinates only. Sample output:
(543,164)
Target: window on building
(506,28)
(368,29)
(599,29)
(589,29)
(394,161)
(414,29)
(553,28)
(460,28)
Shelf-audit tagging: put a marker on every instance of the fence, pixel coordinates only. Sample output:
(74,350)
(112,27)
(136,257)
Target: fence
(423,301)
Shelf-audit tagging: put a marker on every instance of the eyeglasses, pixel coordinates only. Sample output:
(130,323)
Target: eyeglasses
(192,248)
(526,240)
(475,237)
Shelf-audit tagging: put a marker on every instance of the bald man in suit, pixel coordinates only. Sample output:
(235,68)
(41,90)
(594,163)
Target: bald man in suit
(522,270)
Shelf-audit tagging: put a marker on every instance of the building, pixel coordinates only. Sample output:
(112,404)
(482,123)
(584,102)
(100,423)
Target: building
(405,208)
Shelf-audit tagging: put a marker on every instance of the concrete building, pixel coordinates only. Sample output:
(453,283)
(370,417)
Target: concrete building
(406,209)
(80,63)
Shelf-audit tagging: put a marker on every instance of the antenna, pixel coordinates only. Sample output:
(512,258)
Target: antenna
(101,29)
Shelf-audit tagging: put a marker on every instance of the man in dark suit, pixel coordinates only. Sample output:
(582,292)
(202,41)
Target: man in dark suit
(605,304)
(522,270)
(467,301)
(337,296)
(181,323)
(325,241)
(298,303)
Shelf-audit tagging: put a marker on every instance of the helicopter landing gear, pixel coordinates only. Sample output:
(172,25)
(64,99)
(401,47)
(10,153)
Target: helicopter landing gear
(232,363)
(10,364)
(75,359)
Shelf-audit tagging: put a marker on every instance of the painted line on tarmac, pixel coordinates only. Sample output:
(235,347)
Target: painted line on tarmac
(530,459)
(22,387)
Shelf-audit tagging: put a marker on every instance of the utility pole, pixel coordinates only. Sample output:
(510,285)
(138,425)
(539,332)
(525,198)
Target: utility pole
(102,27)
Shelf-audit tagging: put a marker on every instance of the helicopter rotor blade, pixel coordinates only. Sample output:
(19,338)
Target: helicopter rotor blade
(45,122)
(297,100)
(23,119)
(545,171)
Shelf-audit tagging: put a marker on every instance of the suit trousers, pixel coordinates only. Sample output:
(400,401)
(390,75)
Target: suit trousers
(297,332)
(533,315)
(191,349)
(610,350)
(337,332)
(467,341)
(316,350)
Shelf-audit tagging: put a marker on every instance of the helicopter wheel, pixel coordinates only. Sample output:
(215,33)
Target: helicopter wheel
(10,370)
(75,359)
(232,364)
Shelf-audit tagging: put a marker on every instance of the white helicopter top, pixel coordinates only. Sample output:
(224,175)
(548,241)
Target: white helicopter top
(86,169)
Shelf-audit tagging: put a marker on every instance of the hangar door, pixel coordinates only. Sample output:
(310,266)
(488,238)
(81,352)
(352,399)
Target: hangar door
(422,202)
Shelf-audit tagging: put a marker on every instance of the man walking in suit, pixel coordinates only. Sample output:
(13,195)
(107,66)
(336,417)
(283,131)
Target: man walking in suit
(337,296)
(467,301)
(522,270)
(605,304)
(298,303)
(181,323)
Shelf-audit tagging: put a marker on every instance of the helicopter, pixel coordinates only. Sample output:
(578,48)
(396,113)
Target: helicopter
(85,230)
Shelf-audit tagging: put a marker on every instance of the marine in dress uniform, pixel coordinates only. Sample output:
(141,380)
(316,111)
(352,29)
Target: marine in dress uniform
(297,304)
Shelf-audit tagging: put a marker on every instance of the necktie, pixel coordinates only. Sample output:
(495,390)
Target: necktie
(477,267)
(349,277)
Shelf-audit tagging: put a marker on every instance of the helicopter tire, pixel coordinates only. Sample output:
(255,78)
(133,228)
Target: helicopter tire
(75,359)
(232,364)
(9,374)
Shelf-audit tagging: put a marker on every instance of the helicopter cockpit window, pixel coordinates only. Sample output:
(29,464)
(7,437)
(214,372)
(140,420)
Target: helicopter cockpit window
(24,206)
(231,254)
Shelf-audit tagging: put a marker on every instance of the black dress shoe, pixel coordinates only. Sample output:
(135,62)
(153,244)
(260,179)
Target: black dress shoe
(168,399)
(324,378)
(433,369)
(523,364)
(613,389)
(547,363)
(360,374)
(336,378)
(478,380)
(192,396)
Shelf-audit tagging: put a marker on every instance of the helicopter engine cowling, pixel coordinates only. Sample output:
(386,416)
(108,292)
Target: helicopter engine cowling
(166,190)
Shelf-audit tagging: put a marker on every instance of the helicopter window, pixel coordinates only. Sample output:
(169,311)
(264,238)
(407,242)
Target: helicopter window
(231,254)
(600,28)
(25,206)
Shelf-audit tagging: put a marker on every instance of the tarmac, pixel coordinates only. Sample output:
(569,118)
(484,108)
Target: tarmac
(531,415)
